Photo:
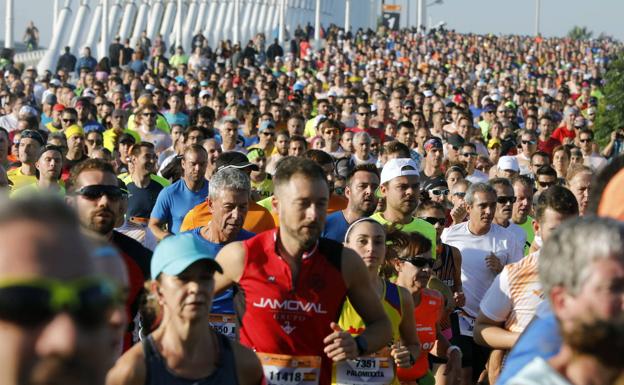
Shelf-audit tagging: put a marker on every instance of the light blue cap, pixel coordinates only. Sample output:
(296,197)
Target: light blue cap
(176,253)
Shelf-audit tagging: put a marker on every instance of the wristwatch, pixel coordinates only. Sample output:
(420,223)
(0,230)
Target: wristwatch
(362,345)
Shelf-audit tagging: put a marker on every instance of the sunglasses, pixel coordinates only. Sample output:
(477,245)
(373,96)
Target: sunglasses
(96,191)
(149,114)
(267,133)
(469,154)
(32,302)
(69,120)
(439,192)
(364,113)
(545,184)
(505,200)
(434,220)
(459,194)
(584,140)
(419,262)
(528,142)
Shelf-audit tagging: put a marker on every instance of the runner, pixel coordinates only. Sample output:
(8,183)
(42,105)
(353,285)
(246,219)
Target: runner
(293,284)
(184,349)
(412,264)
(368,238)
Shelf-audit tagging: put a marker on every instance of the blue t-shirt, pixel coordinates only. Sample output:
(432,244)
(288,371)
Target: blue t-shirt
(336,226)
(175,201)
(224,302)
(540,339)
(178,118)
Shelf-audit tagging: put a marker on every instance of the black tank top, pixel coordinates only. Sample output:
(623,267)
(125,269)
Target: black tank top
(444,267)
(159,374)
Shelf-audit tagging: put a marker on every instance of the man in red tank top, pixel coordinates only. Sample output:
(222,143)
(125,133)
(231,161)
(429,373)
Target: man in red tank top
(293,284)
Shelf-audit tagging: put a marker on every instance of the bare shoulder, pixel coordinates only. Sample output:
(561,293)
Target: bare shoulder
(232,260)
(352,267)
(130,368)
(247,365)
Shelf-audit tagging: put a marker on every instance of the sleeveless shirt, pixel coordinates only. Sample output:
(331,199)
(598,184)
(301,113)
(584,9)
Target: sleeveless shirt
(157,372)
(280,316)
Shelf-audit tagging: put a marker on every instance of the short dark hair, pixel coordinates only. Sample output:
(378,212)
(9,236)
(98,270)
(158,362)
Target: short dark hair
(406,124)
(429,205)
(523,180)
(88,165)
(546,170)
(292,165)
(540,153)
(320,157)
(500,182)
(557,198)
(299,138)
(362,167)
(136,148)
(396,147)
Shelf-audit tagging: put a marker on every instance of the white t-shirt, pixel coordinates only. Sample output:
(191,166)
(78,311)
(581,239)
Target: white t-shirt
(515,294)
(517,232)
(595,161)
(160,139)
(476,277)
(538,372)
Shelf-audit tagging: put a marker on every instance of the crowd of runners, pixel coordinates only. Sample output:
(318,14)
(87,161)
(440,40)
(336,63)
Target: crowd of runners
(383,208)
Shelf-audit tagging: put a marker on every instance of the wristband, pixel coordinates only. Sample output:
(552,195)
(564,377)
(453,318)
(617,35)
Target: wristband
(451,349)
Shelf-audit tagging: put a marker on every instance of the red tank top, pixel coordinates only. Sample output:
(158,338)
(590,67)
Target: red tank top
(427,315)
(280,318)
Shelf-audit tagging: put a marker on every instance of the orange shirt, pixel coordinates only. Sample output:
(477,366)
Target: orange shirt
(258,218)
(427,315)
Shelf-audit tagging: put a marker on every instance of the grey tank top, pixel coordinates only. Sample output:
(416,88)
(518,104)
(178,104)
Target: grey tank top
(159,374)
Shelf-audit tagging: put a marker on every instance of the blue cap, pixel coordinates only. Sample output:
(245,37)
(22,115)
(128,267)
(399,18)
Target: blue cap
(93,126)
(265,125)
(176,253)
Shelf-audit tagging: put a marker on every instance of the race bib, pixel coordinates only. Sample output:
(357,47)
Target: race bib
(374,369)
(466,324)
(282,369)
(224,324)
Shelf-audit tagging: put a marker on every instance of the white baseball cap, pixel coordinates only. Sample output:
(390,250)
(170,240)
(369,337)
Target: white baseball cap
(508,163)
(395,168)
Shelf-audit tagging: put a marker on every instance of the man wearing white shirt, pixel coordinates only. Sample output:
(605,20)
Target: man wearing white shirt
(590,158)
(468,156)
(486,248)
(505,200)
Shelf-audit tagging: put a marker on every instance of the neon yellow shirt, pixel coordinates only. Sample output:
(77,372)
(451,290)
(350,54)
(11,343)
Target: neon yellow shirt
(527,226)
(417,225)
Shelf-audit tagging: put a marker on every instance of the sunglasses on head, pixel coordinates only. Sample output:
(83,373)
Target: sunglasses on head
(434,220)
(32,302)
(419,262)
(505,200)
(96,191)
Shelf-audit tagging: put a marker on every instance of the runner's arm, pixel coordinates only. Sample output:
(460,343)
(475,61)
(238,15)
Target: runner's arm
(407,327)
(156,225)
(232,261)
(129,368)
(248,366)
(378,331)
(488,332)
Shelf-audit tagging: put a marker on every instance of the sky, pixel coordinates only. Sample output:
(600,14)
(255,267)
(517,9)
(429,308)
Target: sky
(479,16)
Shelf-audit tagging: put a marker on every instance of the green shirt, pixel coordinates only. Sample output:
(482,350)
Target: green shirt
(417,225)
(527,226)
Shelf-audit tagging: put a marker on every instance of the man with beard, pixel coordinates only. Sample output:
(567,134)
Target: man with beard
(93,190)
(29,144)
(282,142)
(485,248)
(434,156)
(293,283)
(49,163)
(362,183)
(49,338)
(505,200)
(228,201)
(400,187)
(176,200)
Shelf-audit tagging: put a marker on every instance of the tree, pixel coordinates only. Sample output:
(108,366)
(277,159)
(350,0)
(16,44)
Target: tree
(580,33)
(610,114)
